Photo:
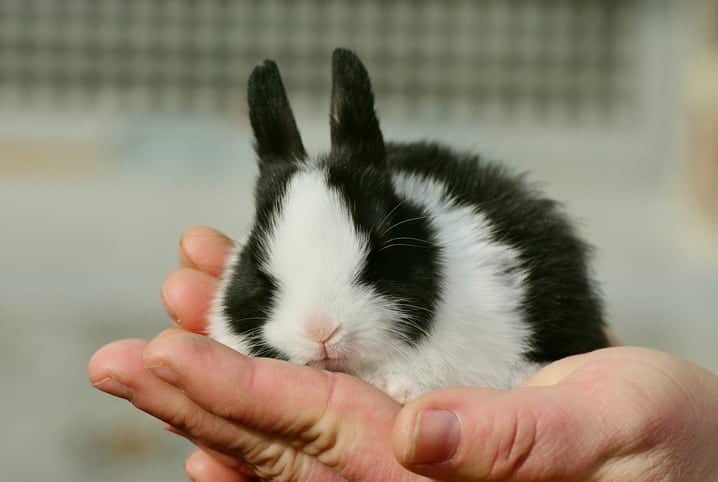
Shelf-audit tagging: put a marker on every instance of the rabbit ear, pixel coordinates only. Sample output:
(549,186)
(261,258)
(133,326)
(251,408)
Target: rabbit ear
(355,128)
(275,131)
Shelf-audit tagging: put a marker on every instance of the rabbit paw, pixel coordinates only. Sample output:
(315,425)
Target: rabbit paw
(398,386)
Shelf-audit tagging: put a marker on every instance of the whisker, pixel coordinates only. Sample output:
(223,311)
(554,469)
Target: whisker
(413,307)
(250,318)
(407,245)
(253,335)
(403,222)
(407,238)
(421,331)
(390,213)
(413,324)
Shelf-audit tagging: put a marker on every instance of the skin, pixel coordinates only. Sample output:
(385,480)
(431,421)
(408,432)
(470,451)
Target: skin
(617,414)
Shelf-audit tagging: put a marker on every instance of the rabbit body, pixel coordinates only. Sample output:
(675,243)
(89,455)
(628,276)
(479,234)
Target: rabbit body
(410,265)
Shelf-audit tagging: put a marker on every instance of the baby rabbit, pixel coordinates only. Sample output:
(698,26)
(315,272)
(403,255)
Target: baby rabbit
(410,265)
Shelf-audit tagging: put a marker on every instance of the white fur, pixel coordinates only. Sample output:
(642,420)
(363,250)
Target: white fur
(478,336)
(315,253)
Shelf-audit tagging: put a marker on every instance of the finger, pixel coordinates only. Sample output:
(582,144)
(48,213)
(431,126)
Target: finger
(187,296)
(118,369)
(222,458)
(342,421)
(204,249)
(555,372)
(203,467)
(472,434)
(566,368)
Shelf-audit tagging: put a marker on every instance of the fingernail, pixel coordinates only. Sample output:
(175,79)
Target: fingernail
(436,437)
(113,387)
(167,306)
(165,373)
(183,257)
(193,468)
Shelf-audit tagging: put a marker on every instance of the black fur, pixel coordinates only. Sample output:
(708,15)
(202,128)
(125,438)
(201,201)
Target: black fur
(403,262)
(250,292)
(354,127)
(561,304)
(248,298)
(275,131)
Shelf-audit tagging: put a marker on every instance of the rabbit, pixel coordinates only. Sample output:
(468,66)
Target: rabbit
(412,266)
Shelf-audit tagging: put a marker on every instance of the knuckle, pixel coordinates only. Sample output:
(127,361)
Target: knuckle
(275,462)
(507,441)
(320,439)
(189,421)
(176,412)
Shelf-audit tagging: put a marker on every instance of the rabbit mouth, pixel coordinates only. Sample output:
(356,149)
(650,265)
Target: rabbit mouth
(331,364)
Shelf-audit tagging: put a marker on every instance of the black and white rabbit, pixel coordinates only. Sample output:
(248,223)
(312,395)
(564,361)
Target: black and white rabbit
(409,265)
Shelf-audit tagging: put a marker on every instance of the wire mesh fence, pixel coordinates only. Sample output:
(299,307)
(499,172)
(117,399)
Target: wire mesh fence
(517,57)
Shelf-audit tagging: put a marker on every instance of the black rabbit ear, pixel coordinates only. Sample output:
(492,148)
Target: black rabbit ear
(355,128)
(275,131)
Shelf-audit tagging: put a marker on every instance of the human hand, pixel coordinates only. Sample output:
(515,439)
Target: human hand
(618,414)
(282,421)
(242,412)
(615,414)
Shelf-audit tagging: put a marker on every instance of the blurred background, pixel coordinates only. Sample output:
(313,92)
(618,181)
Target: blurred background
(122,123)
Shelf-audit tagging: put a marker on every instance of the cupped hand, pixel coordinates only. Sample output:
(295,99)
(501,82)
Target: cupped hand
(616,414)
(286,422)
(259,417)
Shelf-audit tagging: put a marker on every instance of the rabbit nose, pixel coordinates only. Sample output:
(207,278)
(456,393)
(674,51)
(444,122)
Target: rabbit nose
(320,329)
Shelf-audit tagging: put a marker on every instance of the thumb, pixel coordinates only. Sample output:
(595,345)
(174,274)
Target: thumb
(474,434)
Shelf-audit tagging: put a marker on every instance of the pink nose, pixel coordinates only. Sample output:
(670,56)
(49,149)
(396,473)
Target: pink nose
(320,330)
